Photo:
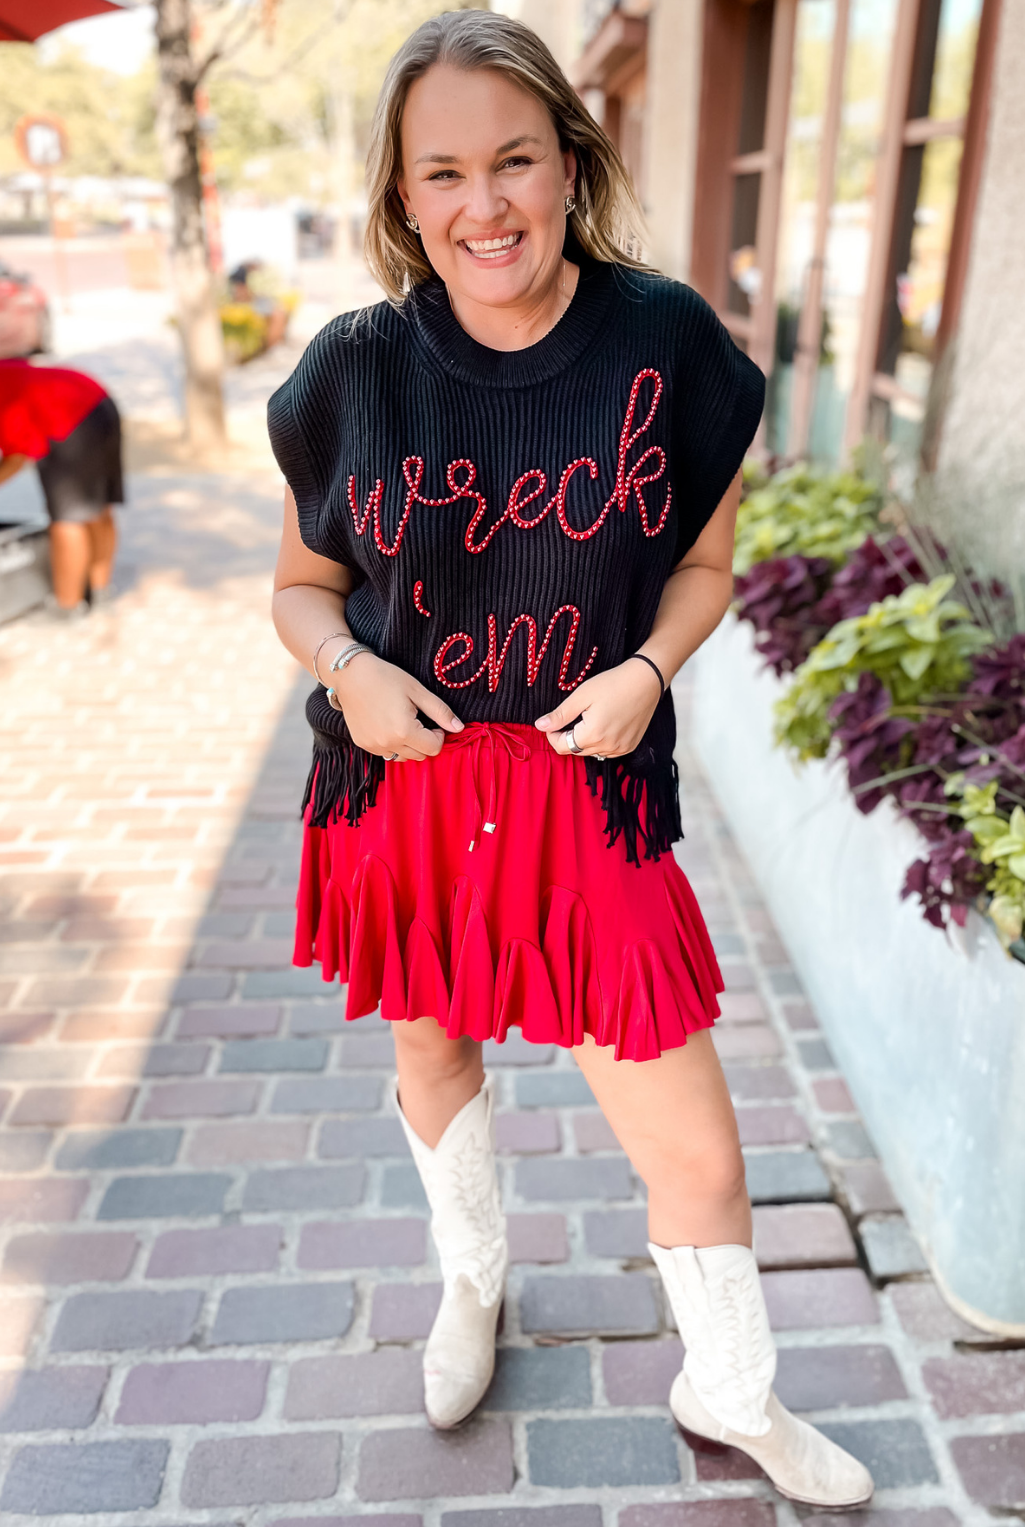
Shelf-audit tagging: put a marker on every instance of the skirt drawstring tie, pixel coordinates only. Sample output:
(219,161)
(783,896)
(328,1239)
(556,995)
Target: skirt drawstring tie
(489,736)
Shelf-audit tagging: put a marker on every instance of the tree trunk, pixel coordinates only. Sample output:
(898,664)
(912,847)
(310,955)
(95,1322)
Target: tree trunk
(198,320)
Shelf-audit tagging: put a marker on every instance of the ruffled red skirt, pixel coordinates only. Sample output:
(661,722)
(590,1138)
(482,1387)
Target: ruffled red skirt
(480,890)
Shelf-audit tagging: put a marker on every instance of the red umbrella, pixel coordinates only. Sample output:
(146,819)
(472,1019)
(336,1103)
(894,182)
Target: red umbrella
(25,20)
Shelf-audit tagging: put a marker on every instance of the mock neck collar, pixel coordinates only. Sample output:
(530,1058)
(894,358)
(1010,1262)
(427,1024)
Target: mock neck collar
(449,346)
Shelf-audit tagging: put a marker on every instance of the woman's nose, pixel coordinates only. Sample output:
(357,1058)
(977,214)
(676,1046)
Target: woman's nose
(485,204)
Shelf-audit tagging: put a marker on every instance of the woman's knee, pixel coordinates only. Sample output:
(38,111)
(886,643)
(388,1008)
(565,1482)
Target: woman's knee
(714,1173)
(424,1044)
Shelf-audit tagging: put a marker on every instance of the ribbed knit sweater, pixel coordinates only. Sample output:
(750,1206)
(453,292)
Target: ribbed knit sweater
(512,516)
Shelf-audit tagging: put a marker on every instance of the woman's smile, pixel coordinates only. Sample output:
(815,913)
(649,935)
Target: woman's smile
(500,249)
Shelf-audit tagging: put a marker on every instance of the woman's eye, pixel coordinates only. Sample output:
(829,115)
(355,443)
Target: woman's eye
(442,175)
(514,163)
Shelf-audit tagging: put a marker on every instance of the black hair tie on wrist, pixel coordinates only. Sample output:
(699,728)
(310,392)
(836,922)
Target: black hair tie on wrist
(655,670)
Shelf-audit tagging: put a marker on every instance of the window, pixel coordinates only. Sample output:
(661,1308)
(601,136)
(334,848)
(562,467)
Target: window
(923,223)
(840,146)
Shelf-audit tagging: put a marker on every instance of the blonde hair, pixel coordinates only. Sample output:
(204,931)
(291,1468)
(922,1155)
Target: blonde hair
(607,221)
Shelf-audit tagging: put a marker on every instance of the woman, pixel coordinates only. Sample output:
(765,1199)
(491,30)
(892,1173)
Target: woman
(67,424)
(509,521)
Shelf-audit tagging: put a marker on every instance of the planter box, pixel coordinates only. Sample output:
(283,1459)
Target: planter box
(931,1038)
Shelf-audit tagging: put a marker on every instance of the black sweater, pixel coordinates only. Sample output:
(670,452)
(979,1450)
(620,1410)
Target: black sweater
(512,516)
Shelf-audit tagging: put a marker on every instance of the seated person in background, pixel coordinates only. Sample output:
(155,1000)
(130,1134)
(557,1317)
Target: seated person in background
(269,307)
(69,426)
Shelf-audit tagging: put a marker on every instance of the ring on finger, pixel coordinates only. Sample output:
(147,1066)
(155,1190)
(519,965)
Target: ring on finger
(390,757)
(572,744)
(601,757)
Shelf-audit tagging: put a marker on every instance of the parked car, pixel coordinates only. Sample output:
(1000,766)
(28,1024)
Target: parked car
(25,325)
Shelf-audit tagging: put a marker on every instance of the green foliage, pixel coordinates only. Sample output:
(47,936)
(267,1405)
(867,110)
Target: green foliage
(918,644)
(109,118)
(244,330)
(805,510)
(243,130)
(1000,842)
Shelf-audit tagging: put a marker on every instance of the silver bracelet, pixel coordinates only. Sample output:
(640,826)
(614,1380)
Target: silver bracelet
(345,657)
(320,644)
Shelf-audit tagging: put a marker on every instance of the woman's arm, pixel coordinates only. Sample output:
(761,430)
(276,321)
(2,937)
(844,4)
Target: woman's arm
(616,706)
(379,701)
(11,465)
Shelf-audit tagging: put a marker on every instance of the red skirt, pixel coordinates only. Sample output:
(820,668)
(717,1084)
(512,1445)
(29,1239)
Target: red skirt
(480,890)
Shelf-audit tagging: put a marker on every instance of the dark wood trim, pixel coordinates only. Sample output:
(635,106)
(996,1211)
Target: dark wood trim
(722,79)
(809,327)
(888,168)
(762,346)
(610,48)
(976,126)
(751,164)
(627,72)
(740,325)
(921,130)
(886,387)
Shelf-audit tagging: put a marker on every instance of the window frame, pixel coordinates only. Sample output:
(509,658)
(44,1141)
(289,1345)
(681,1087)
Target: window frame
(723,59)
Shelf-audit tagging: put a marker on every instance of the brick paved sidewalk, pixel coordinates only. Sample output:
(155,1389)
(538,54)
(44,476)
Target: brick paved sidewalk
(216,1277)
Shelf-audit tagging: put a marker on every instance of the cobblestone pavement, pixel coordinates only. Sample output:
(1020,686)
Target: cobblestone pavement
(216,1277)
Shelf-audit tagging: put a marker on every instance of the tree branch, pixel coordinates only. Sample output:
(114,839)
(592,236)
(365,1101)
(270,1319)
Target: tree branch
(226,44)
(295,57)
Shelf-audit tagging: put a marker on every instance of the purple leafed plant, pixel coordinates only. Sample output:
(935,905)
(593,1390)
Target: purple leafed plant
(777,597)
(906,754)
(793,602)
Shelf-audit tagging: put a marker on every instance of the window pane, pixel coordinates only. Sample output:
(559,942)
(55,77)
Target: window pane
(812,47)
(744,275)
(955,58)
(923,226)
(920,286)
(866,77)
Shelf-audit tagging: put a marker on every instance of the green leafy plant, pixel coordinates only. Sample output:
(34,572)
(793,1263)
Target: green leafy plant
(917,644)
(999,841)
(804,511)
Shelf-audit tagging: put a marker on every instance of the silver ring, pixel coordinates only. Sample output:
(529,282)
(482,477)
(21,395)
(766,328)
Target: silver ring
(571,740)
(390,757)
(601,757)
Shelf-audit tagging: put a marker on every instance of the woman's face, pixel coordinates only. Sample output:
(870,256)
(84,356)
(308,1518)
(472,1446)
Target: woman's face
(483,172)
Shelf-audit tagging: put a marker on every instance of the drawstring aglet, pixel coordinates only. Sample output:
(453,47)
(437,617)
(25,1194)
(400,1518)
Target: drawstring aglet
(490,826)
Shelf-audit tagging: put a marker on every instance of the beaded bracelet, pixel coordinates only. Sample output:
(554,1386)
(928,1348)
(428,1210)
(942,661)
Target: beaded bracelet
(655,670)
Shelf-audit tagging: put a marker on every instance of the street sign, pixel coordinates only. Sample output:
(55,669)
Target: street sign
(42,141)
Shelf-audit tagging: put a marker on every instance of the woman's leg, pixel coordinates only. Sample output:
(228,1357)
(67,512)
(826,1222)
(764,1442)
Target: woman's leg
(437,1076)
(674,1118)
(102,549)
(447,1111)
(70,552)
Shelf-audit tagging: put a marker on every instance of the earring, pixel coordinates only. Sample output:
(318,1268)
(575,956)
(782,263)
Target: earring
(411,222)
(571,202)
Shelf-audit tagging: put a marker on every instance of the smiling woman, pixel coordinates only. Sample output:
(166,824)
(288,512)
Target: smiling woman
(514,485)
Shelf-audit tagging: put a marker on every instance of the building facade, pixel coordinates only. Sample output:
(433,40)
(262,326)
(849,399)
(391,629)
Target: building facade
(822,171)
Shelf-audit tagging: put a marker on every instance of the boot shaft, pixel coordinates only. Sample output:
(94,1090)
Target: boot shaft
(461,1182)
(716,1297)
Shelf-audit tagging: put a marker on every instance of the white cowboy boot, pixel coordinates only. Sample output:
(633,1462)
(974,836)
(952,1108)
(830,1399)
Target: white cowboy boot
(468,1226)
(723,1394)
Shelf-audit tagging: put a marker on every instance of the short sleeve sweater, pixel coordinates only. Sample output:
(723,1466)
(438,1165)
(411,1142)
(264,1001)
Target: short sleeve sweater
(512,516)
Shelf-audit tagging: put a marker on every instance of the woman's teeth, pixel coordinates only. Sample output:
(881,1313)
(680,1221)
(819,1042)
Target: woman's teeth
(490,249)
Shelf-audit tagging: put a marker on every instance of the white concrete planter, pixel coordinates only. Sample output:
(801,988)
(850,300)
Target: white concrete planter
(930,1038)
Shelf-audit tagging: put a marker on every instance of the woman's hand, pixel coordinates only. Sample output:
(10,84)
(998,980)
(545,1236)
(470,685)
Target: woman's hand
(380,703)
(615,708)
